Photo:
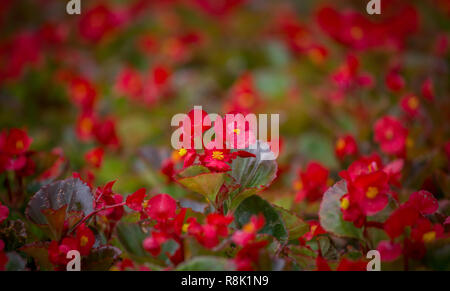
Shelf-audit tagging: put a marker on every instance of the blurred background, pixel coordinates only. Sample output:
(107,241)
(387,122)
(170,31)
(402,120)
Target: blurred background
(113,77)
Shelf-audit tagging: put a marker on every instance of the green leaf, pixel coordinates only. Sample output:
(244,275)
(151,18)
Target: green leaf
(295,226)
(331,216)
(131,237)
(241,196)
(55,203)
(254,172)
(255,205)
(207,184)
(101,259)
(206,263)
(39,252)
(194,171)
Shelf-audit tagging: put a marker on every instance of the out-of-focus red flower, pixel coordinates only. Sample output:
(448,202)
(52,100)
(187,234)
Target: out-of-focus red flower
(130,83)
(410,105)
(428,89)
(85,125)
(391,135)
(389,251)
(14,142)
(248,232)
(97,22)
(346,146)
(217,8)
(82,92)
(105,132)
(54,33)
(312,182)
(135,200)
(441,45)
(394,81)
(299,37)
(16,54)
(94,157)
(348,75)
(4,212)
(157,83)
(243,97)
(161,207)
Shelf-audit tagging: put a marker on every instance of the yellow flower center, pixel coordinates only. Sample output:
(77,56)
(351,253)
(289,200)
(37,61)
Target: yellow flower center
(182,152)
(19,145)
(185,227)
(340,144)
(356,32)
(372,192)
(217,155)
(84,240)
(237,131)
(313,228)
(429,236)
(345,203)
(389,134)
(249,228)
(316,56)
(413,102)
(298,185)
(86,125)
(409,142)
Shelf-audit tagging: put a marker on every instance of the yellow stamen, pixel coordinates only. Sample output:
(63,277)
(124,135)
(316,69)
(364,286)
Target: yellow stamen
(389,134)
(298,185)
(340,144)
(249,228)
(429,236)
(182,152)
(372,192)
(86,125)
(217,155)
(345,203)
(19,145)
(237,131)
(185,227)
(84,240)
(413,102)
(356,32)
